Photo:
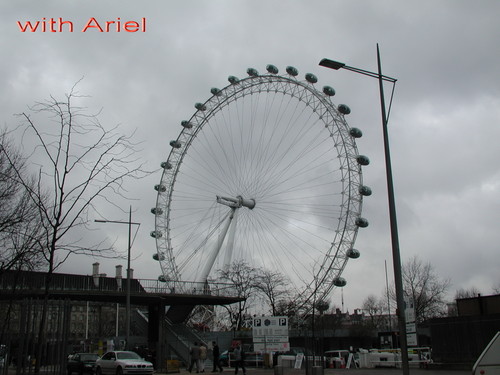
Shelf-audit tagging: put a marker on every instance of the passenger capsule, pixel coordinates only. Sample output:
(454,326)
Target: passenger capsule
(200,106)
(353,253)
(233,80)
(355,132)
(162,279)
(328,90)
(252,72)
(361,222)
(215,91)
(292,71)
(186,124)
(362,160)
(339,281)
(272,69)
(155,234)
(158,257)
(311,78)
(365,190)
(160,188)
(166,165)
(175,144)
(344,109)
(156,211)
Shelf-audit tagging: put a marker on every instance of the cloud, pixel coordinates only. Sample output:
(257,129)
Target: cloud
(443,125)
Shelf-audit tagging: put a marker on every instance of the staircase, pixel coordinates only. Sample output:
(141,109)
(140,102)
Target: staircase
(179,340)
(179,313)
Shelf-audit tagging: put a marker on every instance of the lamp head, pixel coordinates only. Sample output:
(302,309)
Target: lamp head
(327,63)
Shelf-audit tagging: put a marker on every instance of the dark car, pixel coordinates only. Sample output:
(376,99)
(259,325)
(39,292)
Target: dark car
(82,363)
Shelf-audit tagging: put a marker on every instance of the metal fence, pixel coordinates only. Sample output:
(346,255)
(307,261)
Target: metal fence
(35,281)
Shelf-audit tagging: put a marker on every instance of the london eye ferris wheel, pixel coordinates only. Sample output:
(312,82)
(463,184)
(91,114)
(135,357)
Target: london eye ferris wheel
(265,171)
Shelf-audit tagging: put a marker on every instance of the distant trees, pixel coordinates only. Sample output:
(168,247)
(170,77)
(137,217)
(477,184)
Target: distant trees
(421,283)
(377,311)
(425,287)
(467,293)
(496,288)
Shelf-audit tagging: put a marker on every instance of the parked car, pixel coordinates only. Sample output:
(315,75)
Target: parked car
(82,363)
(123,363)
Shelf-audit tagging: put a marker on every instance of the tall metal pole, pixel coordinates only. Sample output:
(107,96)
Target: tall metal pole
(398,279)
(127,309)
(396,258)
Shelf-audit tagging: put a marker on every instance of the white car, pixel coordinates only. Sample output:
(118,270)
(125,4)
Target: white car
(123,363)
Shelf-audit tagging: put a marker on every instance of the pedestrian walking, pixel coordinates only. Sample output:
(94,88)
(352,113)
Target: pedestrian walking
(239,359)
(216,355)
(203,357)
(195,357)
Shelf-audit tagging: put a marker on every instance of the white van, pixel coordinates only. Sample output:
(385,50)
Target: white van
(488,362)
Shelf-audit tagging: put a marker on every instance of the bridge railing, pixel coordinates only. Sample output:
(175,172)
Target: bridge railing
(35,281)
(188,287)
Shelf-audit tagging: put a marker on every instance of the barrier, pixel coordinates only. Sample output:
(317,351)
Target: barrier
(172,366)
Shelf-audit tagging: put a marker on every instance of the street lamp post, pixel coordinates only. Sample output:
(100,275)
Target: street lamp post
(398,279)
(127,303)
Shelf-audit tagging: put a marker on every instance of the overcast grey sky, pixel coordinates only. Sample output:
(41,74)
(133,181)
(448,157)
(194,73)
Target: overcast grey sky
(444,125)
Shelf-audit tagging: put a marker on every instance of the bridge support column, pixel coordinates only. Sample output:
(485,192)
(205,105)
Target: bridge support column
(156,333)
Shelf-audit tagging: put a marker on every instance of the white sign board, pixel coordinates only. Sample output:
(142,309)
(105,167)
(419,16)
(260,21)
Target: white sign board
(266,326)
(270,339)
(411,339)
(409,310)
(298,360)
(271,347)
(411,326)
(270,334)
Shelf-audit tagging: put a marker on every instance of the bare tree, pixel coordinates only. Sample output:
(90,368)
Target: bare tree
(376,310)
(19,233)
(79,164)
(273,285)
(291,307)
(467,293)
(423,285)
(496,289)
(243,278)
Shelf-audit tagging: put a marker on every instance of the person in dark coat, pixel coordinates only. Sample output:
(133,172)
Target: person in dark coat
(216,354)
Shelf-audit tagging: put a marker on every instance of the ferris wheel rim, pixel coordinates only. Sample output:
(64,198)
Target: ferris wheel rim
(345,233)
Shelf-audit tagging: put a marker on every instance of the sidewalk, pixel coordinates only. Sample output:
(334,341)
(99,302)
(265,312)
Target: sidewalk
(356,371)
